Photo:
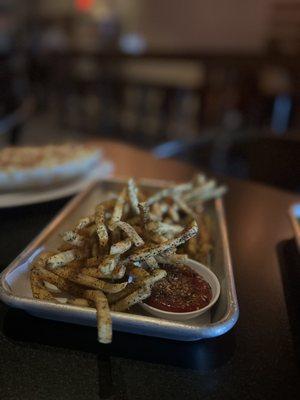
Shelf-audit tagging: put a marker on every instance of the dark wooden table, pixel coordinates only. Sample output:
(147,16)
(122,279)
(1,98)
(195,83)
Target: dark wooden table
(258,359)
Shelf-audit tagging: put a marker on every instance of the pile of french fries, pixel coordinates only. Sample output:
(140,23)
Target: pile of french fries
(112,258)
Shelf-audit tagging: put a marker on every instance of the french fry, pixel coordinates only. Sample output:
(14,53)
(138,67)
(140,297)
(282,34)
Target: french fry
(130,288)
(73,238)
(173,213)
(108,264)
(100,226)
(104,323)
(169,252)
(141,293)
(133,298)
(152,251)
(151,262)
(181,204)
(158,210)
(138,273)
(120,247)
(90,282)
(172,259)
(158,238)
(84,222)
(61,283)
(161,227)
(63,258)
(52,288)
(117,273)
(133,196)
(38,288)
(144,212)
(169,192)
(131,233)
(199,179)
(214,194)
(118,209)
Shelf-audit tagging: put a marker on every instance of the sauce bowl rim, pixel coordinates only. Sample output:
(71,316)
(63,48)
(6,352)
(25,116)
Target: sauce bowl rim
(215,296)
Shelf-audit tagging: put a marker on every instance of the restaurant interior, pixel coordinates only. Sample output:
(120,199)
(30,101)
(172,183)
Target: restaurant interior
(214,84)
(164,89)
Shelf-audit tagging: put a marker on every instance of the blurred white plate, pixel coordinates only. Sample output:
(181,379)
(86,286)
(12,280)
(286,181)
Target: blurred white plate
(22,198)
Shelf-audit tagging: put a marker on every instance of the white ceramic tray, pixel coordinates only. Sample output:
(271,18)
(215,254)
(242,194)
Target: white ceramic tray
(15,286)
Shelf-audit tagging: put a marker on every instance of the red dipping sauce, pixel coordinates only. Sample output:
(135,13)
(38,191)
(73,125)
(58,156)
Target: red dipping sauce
(182,290)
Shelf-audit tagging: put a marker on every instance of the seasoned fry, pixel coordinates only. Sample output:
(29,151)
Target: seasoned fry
(52,288)
(169,192)
(144,212)
(130,288)
(61,259)
(131,233)
(118,209)
(151,262)
(84,222)
(173,213)
(120,247)
(140,294)
(78,278)
(133,196)
(117,273)
(100,225)
(135,297)
(181,204)
(141,279)
(199,190)
(73,238)
(38,288)
(192,246)
(108,264)
(60,282)
(138,273)
(91,282)
(160,227)
(103,315)
(158,210)
(144,252)
(158,238)
(218,192)
(199,179)
(172,258)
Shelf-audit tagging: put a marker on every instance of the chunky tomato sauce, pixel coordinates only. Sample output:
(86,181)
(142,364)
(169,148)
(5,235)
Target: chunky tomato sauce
(182,290)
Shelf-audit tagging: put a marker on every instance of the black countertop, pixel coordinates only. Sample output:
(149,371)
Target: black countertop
(257,359)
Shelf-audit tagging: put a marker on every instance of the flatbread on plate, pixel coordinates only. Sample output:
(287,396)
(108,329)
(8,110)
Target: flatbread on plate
(32,167)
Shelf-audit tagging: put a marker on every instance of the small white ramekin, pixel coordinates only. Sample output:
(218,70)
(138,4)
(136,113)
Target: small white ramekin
(209,277)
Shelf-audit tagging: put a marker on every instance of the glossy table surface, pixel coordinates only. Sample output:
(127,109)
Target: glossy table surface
(258,359)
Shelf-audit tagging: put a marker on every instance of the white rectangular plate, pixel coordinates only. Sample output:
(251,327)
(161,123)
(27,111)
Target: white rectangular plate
(15,286)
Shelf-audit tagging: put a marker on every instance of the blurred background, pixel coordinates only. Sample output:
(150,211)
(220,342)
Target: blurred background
(215,83)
